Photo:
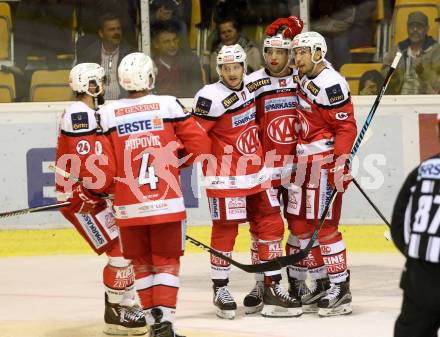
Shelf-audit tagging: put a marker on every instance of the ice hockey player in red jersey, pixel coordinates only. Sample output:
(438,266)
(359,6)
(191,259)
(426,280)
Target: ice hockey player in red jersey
(275,93)
(327,133)
(146,132)
(235,184)
(78,151)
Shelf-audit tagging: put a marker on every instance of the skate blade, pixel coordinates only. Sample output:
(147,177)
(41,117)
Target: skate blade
(253,310)
(276,311)
(225,314)
(343,309)
(117,330)
(310,308)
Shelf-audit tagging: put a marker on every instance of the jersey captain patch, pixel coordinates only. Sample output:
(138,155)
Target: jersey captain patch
(230,100)
(314,90)
(80,121)
(203,106)
(258,84)
(334,94)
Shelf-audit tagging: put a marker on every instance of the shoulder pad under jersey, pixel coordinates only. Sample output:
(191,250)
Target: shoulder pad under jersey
(329,89)
(78,119)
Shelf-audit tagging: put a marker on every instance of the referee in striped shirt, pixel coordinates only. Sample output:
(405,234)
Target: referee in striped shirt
(415,229)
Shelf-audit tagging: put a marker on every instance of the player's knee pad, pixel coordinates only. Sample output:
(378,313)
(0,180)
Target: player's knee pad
(166,264)
(223,236)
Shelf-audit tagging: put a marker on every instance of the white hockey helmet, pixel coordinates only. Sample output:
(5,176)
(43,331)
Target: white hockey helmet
(231,54)
(313,40)
(277,41)
(136,72)
(82,74)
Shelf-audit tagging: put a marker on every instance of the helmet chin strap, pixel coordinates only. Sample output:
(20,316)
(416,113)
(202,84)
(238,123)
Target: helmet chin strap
(315,63)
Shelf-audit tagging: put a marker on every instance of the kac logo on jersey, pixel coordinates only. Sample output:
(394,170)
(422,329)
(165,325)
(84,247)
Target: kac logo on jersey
(280,103)
(282,130)
(243,118)
(247,142)
(282,82)
(341,116)
(304,125)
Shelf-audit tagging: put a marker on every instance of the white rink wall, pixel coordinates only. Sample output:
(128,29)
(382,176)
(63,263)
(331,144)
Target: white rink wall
(391,148)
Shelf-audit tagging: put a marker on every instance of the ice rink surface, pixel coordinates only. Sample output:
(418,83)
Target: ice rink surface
(62,296)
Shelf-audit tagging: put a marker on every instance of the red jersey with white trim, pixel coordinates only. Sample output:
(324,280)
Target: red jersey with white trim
(229,118)
(276,103)
(326,115)
(79,150)
(146,133)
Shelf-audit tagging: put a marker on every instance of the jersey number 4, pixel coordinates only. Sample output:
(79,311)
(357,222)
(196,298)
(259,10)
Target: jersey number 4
(147,174)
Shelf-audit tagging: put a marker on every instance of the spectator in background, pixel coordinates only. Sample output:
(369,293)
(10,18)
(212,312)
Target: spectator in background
(167,11)
(178,69)
(334,19)
(417,70)
(229,33)
(88,10)
(370,83)
(107,51)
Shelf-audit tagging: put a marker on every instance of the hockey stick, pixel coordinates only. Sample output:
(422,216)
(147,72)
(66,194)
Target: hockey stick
(33,209)
(291,259)
(250,268)
(371,202)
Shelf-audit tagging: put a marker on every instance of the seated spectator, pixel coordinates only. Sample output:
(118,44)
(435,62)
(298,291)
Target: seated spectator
(107,51)
(420,58)
(128,11)
(370,83)
(178,69)
(334,19)
(229,33)
(170,11)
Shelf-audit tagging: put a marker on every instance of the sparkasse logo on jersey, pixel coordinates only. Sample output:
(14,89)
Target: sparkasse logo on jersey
(280,103)
(92,230)
(139,125)
(243,118)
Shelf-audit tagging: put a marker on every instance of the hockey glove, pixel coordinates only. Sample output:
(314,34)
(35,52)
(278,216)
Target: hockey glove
(292,26)
(84,201)
(339,175)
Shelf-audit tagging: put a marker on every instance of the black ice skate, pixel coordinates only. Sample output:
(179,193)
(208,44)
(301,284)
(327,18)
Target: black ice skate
(297,288)
(124,320)
(278,303)
(316,291)
(253,302)
(337,301)
(224,302)
(161,328)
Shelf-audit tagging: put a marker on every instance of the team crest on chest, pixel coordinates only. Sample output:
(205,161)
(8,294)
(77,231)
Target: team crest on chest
(243,95)
(282,82)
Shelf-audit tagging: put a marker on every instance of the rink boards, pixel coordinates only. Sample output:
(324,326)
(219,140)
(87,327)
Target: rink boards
(402,132)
